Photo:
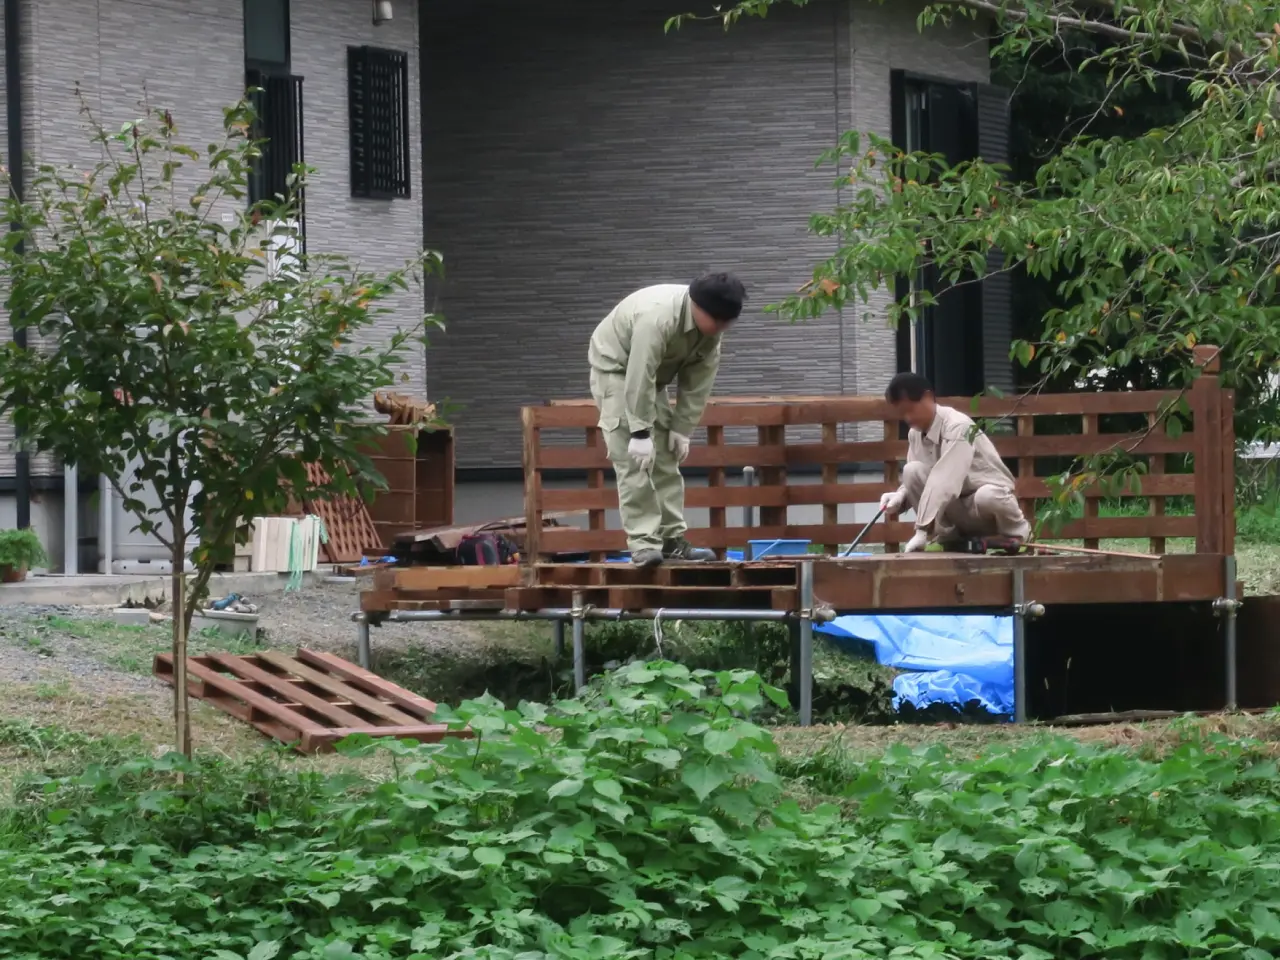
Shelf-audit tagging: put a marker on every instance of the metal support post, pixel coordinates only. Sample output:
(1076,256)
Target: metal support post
(1227,606)
(70,521)
(579,643)
(362,639)
(806,643)
(107,506)
(749,521)
(1022,612)
(557,632)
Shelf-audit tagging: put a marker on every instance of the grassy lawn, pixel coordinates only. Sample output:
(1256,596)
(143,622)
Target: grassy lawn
(87,682)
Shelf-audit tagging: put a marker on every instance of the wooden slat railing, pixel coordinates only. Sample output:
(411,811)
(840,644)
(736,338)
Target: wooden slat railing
(1211,451)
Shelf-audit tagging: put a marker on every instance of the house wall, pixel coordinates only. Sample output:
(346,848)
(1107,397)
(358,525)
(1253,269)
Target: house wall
(188,56)
(574,152)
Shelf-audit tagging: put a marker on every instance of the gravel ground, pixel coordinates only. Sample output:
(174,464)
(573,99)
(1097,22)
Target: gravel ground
(84,647)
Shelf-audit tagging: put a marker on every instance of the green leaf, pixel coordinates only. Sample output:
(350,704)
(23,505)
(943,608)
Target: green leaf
(123,935)
(339,950)
(702,779)
(608,788)
(565,788)
(668,759)
(720,741)
(489,856)
(327,898)
(265,950)
(864,909)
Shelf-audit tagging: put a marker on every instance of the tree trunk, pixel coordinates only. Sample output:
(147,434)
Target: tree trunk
(181,710)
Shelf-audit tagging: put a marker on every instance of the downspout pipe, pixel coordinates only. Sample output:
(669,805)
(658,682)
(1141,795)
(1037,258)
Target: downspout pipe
(17,163)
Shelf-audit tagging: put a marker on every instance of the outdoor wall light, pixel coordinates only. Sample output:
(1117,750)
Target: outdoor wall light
(382,11)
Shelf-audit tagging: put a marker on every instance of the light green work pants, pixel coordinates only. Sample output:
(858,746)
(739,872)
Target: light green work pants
(651,502)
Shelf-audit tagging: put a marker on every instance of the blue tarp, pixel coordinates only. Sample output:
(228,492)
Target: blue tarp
(953,659)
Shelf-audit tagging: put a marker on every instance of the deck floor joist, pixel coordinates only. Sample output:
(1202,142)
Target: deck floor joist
(889,582)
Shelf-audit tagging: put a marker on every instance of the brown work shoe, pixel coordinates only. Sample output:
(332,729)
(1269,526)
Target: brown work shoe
(649,557)
(679,548)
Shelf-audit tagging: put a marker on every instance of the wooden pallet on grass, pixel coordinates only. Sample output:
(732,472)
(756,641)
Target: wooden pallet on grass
(309,701)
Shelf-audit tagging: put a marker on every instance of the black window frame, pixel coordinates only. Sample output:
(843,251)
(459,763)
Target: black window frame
(982,309)
(277,99)
(269,66)
(378,101)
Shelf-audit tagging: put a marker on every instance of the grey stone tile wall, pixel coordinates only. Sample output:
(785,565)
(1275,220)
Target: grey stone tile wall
(188,56)
(574,153)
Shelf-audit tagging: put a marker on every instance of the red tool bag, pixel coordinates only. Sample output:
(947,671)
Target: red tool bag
(486,550)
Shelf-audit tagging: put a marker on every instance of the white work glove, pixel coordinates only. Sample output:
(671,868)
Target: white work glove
(678,444)
(640,449)
(918,542)
(893,502)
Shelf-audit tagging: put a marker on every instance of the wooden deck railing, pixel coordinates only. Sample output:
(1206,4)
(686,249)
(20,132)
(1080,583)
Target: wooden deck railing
(1208,444)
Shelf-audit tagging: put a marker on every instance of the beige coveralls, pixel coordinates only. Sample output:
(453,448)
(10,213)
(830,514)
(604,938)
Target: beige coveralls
(648,341)
(957,483)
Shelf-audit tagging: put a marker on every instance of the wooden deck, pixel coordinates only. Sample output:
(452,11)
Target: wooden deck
(1181,443)
(889,582)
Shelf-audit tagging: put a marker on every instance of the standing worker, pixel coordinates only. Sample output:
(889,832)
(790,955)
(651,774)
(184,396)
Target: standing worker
(660,334)
(954,479)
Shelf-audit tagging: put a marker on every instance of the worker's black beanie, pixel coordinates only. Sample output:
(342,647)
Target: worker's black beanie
(720,294)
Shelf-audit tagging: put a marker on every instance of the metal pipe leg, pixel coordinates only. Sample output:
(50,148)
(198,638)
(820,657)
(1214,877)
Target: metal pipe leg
(1229,610)
(557,632)
(579,644)
(1023,610)
(362,640)
(806,644)
(793,668)
(1019,648)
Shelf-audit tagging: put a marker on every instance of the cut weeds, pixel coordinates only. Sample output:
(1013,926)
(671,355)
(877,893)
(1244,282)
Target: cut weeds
(128,648)
(654,820)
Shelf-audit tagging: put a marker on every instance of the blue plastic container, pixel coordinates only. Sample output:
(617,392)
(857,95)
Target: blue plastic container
(759,549)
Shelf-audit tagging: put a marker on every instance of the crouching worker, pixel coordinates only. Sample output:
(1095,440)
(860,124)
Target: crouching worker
(656,336)
(954,479)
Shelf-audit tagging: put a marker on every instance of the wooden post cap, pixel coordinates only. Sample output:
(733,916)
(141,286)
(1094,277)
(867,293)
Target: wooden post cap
(1207,358)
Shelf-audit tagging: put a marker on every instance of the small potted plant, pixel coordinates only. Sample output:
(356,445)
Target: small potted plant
(20,550)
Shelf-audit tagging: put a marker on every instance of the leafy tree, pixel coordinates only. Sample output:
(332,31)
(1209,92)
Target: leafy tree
(1155,242)
(170,331)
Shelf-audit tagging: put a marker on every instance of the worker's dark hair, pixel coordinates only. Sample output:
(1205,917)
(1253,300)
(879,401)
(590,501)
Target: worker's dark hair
(720,294)
(907,386)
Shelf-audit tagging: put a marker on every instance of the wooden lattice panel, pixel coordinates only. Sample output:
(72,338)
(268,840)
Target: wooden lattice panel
(350,528)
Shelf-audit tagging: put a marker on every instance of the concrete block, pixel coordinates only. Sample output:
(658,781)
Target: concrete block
(132,616)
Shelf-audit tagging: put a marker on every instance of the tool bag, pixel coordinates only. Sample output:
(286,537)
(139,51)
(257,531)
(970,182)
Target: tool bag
(486,550)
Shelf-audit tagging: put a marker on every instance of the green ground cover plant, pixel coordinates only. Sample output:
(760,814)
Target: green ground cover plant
(653,819)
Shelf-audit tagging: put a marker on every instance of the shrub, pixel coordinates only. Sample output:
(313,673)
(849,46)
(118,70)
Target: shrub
(654,822)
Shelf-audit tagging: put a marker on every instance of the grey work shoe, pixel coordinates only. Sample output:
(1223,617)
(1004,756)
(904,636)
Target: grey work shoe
(682,549)
(649,557)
